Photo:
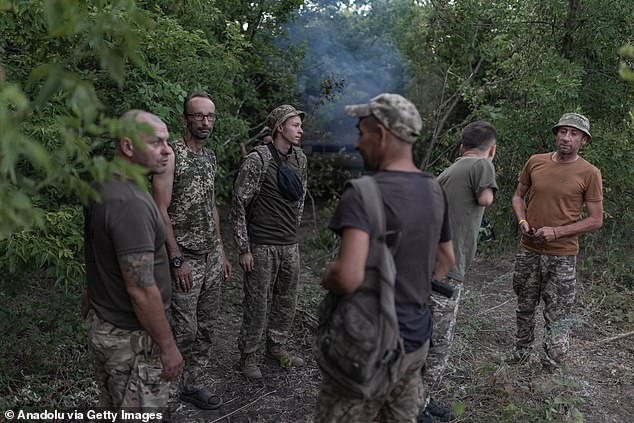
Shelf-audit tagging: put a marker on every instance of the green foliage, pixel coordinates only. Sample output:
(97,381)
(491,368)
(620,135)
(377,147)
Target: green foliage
(44,360)
(521,65)
(613,303)
(68,65)
(56,247)
(627,70)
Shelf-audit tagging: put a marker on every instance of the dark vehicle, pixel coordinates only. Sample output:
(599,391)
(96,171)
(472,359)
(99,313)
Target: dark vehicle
(331,164)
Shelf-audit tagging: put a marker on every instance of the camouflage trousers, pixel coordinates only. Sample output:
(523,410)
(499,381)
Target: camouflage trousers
(127,366)
(552,279)
(401,405)
(270,296)
(194,313)
(444,314)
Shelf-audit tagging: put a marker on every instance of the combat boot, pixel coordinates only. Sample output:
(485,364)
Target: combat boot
(249,366)
(283,357)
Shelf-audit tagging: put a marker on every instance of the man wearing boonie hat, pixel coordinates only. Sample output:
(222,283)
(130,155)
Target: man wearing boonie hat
(388,126)
(266,212)
(548,202)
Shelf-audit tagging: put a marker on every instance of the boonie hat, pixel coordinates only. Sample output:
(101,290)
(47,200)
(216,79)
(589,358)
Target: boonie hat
(574,120)
(395,112)
(279,115)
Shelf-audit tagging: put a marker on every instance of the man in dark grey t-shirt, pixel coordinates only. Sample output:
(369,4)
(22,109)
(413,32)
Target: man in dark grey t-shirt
(128,280)
(414,207)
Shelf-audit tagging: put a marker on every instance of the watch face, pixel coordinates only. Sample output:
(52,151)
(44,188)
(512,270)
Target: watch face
(177,262)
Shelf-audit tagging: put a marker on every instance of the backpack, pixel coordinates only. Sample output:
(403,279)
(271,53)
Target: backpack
(358,344)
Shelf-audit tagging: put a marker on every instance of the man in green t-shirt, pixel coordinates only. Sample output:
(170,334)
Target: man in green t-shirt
(127,276)
(470,187)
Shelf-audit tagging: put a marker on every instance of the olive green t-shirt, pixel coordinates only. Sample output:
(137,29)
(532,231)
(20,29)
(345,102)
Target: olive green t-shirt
(124,221)
(463,183)
(274,219)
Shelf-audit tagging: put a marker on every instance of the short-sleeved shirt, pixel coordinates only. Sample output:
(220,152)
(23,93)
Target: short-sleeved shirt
(555,197)
(413,209)
(124,221)
(463,183)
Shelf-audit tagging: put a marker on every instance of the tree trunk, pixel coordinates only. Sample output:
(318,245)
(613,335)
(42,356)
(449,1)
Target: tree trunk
(440,125)
(566,45)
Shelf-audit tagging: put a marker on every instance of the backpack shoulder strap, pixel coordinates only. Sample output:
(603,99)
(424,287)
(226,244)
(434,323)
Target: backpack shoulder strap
(373,202)
(265,156)
(274,153)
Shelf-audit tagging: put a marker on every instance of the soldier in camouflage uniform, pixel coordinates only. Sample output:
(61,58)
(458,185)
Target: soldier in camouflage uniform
(388,127)
(265,223)
(548,202)
(470,187)
(186,198)
(127,274)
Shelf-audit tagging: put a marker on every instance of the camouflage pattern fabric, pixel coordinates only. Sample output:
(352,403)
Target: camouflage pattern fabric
(270,295)
(552,279)
(395,112)
(400,405)
(245,191)
(281,114)
(248,185)
(191,207)
(575,120)
(194,313)
(127,366)
(444,314)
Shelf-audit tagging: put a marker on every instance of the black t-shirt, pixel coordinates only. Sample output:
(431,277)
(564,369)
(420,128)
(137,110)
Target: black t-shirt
(412,209)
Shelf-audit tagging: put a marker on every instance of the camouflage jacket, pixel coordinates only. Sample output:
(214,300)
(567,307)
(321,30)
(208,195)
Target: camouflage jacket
(191,208)
(248,185)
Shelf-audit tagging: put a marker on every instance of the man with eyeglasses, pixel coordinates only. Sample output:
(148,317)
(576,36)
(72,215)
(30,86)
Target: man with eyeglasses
(186,199)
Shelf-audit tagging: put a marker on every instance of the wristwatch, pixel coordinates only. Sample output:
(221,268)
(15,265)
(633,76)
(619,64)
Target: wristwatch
(176,262)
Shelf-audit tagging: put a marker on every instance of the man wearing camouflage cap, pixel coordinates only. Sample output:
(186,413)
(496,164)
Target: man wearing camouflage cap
(548,203)
(266,218)
(415,206)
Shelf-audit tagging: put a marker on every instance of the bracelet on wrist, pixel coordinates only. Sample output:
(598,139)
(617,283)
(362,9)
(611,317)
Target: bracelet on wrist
(522,221)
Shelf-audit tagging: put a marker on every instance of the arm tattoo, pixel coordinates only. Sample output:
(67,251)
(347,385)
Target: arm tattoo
(139,268)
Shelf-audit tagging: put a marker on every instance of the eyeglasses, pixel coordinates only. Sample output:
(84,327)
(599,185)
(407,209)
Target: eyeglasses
(200,117)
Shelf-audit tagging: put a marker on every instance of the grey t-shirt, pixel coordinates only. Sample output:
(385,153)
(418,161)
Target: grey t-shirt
(412,209)
(124,221)
(463,182)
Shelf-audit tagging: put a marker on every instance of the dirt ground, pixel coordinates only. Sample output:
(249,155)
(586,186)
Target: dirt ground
(597,386)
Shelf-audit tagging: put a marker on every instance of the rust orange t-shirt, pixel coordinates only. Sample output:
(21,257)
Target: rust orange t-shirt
(555,197)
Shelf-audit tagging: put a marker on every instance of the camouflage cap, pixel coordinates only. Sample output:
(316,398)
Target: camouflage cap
(280,114)
(574,120)
(395,112)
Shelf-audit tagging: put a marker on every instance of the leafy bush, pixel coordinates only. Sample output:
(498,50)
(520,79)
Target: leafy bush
(55,248)
(44,358)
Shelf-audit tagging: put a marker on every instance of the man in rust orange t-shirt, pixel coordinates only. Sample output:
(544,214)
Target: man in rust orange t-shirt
(548,202)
